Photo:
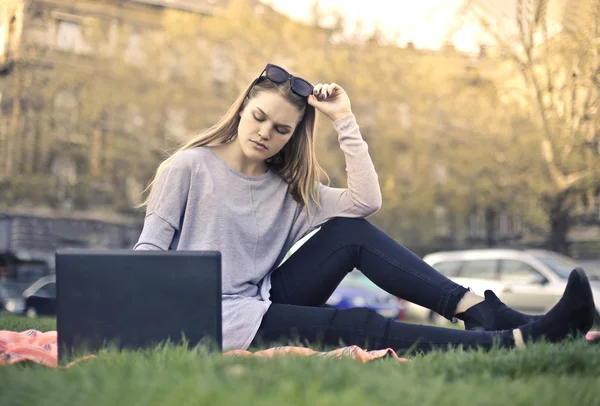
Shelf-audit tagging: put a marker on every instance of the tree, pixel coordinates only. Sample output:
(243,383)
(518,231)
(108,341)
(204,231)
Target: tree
(559,80)
(483,148)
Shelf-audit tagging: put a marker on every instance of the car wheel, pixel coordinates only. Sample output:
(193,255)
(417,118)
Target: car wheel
(31,312)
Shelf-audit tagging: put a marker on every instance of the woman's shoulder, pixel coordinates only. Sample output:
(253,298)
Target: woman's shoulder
(189,158)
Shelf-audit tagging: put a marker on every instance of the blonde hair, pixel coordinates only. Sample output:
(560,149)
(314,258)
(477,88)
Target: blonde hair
(296,163)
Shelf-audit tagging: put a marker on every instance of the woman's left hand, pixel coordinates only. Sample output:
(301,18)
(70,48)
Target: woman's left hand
(331,100)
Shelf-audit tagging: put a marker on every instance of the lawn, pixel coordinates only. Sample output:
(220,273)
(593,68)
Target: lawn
(566,374)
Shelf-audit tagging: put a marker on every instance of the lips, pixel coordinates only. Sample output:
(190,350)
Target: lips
(260,144)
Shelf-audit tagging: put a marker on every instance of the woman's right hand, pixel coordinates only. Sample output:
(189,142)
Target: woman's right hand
(331,100)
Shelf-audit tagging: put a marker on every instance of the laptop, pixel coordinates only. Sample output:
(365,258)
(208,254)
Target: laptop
(128,299)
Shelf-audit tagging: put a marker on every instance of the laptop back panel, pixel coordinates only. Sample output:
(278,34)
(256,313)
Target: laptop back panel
(136,299)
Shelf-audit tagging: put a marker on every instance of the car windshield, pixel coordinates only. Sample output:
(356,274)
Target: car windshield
(560,264)
(47,290)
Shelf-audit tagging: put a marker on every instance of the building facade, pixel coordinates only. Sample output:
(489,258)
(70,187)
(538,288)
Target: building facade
(67,161)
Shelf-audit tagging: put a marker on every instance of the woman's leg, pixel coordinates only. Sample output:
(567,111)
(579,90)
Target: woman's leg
(573,314)
(310,276)
(285,324)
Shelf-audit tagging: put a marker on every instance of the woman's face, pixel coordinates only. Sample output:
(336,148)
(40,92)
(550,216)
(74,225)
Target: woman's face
(266,125)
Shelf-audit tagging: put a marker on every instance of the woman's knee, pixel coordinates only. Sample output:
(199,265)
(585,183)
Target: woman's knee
(348,225)
(351,231)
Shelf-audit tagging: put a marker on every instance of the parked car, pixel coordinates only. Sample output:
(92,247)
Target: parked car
(356,290)
(592,266)
(11,300)
(40,297)
(529,280)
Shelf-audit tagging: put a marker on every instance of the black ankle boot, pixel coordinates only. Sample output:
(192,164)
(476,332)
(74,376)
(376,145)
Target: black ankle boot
(493,315)
(572,316)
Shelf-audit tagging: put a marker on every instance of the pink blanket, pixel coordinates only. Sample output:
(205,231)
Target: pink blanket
(41,348)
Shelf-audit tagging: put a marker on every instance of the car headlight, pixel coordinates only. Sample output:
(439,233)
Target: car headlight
(13,306)
(359,301)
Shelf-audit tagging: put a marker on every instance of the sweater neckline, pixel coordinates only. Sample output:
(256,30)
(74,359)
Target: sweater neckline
(235,172)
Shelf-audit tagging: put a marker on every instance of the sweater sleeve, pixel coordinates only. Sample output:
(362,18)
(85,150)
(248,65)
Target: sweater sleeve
(363,195)
(166,207)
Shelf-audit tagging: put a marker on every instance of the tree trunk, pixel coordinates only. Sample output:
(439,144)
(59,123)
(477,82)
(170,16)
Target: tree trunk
(490,227)
(560,223)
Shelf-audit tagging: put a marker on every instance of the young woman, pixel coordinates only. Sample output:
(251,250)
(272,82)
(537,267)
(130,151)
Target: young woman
(249,188)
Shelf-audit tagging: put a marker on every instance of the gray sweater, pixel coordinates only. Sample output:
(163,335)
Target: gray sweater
(201,203)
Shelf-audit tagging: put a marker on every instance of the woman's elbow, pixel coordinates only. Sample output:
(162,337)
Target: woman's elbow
(376,204)
(371,205)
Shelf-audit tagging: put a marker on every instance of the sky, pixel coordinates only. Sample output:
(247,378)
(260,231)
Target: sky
(426,23)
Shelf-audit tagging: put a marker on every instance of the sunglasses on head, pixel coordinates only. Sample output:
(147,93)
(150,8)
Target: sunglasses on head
(279,75)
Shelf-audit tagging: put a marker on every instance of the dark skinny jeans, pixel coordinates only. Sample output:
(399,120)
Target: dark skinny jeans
(304,283)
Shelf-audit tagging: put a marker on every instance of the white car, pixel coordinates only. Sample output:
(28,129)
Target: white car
(529,280)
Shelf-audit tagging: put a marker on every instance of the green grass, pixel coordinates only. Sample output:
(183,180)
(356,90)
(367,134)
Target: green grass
(18,323)
(566,374)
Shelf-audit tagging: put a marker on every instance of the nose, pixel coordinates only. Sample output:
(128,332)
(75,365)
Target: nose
(264,132)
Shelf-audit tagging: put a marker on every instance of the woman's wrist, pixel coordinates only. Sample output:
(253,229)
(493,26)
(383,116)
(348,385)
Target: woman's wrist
(338,116)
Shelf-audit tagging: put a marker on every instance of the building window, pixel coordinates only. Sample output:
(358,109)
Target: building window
(65,110)
(134,53)
(64,170)
(70,37)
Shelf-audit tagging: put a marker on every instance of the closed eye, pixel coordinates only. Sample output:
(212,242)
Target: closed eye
(282,131)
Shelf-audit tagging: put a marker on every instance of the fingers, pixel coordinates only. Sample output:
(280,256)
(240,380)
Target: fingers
(313,101)
(318,91)
(331,88)
(324,91)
